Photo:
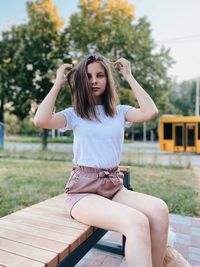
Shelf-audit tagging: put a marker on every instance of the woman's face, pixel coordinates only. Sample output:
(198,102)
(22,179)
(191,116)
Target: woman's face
(97,79)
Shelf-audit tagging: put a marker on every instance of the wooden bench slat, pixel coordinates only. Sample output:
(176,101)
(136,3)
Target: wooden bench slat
(59,200)
(54,209)
(52,213)
(11,260)
(67,222)
(61,214)
(51,245)
(70,240)
(44,225)
(50,259)
(124,168)
(48,211)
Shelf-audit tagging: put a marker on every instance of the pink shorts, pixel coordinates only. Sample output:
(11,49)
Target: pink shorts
(86,180)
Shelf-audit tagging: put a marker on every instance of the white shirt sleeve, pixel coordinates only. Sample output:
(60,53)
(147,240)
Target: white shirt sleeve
(123,110)
(71,119)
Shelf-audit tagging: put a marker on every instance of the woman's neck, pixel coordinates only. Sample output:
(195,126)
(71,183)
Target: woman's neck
(97,101)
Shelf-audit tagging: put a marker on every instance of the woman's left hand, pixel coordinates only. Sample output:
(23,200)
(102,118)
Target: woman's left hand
(124,67)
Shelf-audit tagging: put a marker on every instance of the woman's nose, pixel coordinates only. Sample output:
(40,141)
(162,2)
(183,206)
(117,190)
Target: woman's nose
(94,80)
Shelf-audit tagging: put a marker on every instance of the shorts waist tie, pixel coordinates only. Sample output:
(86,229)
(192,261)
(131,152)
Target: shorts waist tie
(108,174)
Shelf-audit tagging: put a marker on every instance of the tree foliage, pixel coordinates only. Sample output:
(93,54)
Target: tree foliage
(101,26)
(8,88)
(44,9)
(30,53)
(34,52)
(183,97)
(109,28)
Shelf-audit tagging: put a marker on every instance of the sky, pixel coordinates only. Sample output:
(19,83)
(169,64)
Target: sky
(175,24)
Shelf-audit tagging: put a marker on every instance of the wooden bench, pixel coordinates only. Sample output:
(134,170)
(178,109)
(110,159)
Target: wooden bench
(45,235)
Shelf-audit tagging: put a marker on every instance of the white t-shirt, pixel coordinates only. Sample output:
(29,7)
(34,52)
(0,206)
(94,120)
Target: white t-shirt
(97,144)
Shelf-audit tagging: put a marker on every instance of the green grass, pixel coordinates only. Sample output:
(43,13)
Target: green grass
(177,186)
(24,182)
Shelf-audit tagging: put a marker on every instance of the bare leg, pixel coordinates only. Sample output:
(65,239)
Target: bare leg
(104,213)
(157,213)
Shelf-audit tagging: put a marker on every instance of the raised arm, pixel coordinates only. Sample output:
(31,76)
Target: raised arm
(147,108)
(44,117)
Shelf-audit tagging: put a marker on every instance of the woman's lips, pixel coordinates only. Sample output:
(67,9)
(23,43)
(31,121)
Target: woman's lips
(95,88)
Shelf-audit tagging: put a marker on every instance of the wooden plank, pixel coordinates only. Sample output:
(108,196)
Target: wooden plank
(51,213)
(8,259)
(73,241)
(56,205)
(62,249)
(43,211)
(60,221)
(45,225)
(124,168)
(60,201)
(68,222)
(58,209)
(50,259)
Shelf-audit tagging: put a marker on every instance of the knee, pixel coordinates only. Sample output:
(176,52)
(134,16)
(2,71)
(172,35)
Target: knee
(137,224)
(161,213)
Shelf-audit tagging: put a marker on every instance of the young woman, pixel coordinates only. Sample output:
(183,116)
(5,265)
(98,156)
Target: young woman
(95,194)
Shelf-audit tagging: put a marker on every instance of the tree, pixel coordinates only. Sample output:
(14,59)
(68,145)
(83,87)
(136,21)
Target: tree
(42,49)
(183,98)
(110,28)
(8,48)
(47,45)
(4,70)
(101,26)
(22,87)
(29,56)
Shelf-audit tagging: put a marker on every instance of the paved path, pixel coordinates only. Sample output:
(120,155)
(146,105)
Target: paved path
(187,231)
(149,152)
(136,152)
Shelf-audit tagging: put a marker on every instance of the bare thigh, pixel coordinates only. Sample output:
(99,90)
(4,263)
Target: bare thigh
(146,204)
(104,213)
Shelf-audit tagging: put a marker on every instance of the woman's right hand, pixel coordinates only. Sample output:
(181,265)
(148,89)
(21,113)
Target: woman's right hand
(61,78)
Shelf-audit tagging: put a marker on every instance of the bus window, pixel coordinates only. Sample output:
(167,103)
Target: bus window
(168,131)
(190,135)
(178,135)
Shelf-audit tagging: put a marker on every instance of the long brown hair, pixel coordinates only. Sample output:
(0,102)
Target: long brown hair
(82,97)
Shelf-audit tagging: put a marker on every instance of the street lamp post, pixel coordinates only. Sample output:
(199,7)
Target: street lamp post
(197,101)
(144,131)
(197,97)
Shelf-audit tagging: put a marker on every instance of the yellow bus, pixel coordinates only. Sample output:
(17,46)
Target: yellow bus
(179,133)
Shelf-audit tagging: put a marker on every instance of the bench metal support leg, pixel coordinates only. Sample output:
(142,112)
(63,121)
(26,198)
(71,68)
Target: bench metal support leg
(76,255)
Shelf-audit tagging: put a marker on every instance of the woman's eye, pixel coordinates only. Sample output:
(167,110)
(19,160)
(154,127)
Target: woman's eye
(100,75)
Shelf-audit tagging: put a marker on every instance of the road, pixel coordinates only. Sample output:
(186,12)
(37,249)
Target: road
(136,152)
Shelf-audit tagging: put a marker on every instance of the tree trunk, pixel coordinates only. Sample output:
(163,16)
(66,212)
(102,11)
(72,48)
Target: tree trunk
(2,110)
(44,139)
